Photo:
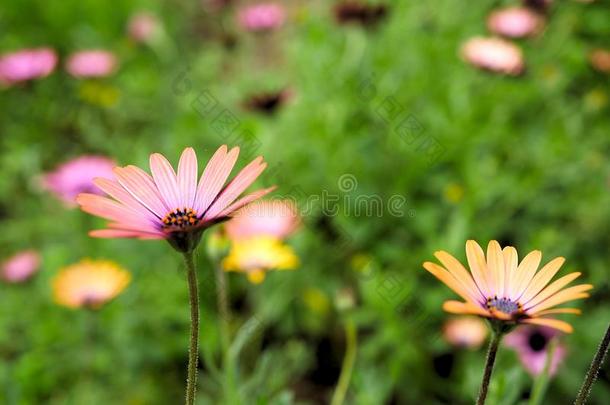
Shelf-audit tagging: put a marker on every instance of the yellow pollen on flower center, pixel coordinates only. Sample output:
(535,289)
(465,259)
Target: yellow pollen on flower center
(181,218)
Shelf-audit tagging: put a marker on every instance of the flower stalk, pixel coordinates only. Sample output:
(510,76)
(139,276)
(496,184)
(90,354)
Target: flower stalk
(191,381)
(596,364)
(492,351)
(348,363)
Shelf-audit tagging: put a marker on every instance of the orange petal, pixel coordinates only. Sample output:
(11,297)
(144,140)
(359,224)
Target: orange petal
(458,271)
(551,289)
(451,282)
(526,270)
(495,267)
(478,266)
(551,323)
(574,311)
(511,261)
(569,294)
(542,279)
(456,307)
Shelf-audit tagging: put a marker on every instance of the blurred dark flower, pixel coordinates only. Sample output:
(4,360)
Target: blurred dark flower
(538,5)
(356,12)
(600,60)
(89,283)
(257,255)
(26,65)
(20,267)
(267,103)
(76,176)
(172,206)
(515,22)
(532,344)
(142,27)
(493,54)
(504,291)
(262,17)
(91,63)
(276,218)
(465,332)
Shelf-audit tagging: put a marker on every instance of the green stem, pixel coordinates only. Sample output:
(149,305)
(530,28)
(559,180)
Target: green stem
(348,363)
(542,381)
(224,317)
(489,366)
(191,381)
(596,364)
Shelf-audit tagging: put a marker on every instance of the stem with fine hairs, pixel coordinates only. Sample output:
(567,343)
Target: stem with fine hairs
(489,366)
(596,364)
(191,381)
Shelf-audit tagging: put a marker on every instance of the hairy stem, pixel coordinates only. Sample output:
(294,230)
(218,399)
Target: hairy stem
(348,363)
(489,366)
(191,382)
(596,364)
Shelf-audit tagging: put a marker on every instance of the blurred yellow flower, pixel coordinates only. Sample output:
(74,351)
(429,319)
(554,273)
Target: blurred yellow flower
(316,300)
(454,193)
(99,94)
(255,256)
(89,283)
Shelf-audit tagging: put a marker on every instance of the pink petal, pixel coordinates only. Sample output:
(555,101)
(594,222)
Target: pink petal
(246,200)
(166,181)
(187,177)
(114,233)
(141,186)
(214,177)
(241,182)
(116,191)
(111,210)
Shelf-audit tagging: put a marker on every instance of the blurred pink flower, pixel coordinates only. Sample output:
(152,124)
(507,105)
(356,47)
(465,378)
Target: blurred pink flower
(276,218)
(494,54)
(600,60)
(465,331)
(531,344)
(91,63)
(26,65)
(262,17)
(515,22)
(76,176)
(21,266)
(142,26)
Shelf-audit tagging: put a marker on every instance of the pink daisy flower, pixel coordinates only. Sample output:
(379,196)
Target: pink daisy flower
(262,17)
(276,218)
(170,205)
(91,63)
(142,27)
(76,176)
(494,54)
(20,267)
(515,22)
(532,344)
(26,65)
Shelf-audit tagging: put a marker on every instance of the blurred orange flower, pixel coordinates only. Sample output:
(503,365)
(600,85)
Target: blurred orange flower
(89,283)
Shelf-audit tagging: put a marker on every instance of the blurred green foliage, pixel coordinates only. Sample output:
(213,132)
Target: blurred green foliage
(524,162)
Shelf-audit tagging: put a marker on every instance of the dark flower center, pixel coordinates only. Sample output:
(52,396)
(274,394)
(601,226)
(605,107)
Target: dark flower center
(537,341)
(505,305)
(180,219)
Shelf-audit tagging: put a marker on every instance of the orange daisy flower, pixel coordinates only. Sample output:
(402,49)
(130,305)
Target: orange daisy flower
(89,283)
(501,289)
